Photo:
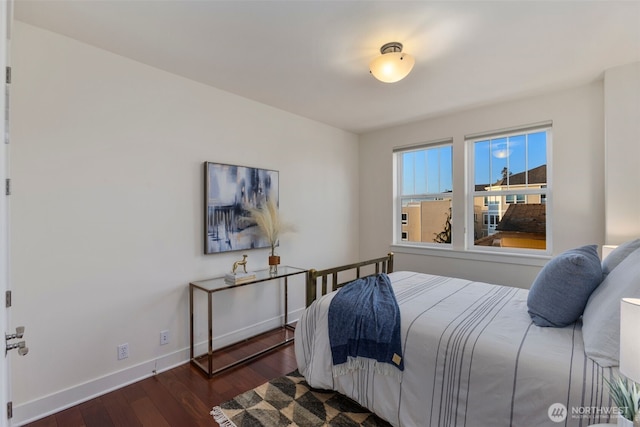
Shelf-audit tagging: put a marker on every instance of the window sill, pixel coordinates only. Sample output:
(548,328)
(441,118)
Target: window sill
(474,255)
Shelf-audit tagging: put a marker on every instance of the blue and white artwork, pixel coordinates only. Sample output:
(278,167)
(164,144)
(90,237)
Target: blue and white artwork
(229,191)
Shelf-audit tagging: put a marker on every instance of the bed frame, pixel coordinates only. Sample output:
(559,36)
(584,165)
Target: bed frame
(354,271)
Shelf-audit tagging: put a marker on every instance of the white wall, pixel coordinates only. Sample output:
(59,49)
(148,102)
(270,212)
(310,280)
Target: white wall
(577,178)
(622,127)
(107,211)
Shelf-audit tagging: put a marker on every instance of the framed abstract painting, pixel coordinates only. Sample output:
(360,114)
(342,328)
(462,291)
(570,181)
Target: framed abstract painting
(230,190)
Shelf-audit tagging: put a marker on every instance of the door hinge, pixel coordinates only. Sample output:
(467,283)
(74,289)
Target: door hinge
(8,75)
(7,299)
(7,187)
(9,410)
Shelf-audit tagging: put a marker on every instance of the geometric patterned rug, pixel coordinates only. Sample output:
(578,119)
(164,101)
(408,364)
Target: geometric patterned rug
(290,401)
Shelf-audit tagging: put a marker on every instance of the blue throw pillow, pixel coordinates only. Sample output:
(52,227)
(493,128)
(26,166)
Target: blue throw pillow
(561,290)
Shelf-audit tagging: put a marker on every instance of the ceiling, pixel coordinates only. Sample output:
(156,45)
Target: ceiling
(311,57)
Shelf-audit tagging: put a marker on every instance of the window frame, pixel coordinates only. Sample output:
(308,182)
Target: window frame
(545,191)
(462,205)
(398,196)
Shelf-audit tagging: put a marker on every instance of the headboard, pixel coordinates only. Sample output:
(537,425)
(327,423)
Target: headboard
(352,271)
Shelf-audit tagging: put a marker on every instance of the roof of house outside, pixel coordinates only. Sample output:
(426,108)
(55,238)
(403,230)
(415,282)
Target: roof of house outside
(527,218)
(537,175)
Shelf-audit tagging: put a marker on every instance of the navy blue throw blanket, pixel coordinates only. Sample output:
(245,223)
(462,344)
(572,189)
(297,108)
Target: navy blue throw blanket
(364,322)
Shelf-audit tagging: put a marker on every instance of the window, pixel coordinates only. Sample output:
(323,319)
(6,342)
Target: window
(506,203)
(425,184)
(490,219)
(514,198)
(510,189)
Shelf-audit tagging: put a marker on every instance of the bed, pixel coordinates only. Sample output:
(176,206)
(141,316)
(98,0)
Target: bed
(472,356)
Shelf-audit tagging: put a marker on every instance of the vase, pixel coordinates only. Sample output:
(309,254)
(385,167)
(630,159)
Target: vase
(623,422)
(274,260)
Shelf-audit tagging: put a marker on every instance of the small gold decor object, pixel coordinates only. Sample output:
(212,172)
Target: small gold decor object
(242,263)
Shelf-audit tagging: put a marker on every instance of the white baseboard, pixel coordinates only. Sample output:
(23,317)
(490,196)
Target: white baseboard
(63,399)
(28,412)
(246,332)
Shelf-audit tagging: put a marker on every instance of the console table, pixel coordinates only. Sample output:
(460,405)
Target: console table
(205,362)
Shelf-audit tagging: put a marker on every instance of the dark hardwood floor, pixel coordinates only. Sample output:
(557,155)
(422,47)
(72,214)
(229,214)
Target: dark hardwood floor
(180,397)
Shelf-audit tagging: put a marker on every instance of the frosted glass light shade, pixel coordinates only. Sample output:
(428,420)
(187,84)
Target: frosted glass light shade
(630,338)
(391,67)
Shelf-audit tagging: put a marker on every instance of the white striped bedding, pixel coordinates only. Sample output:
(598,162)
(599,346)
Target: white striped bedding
(472,358)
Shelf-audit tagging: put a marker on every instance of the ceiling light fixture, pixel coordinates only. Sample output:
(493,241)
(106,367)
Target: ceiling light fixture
(393,65)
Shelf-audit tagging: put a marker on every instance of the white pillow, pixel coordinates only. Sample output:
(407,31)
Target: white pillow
(618,255)
(601,317)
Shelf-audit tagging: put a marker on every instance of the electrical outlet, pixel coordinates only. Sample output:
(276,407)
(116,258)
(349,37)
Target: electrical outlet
(123,351)
(164,337)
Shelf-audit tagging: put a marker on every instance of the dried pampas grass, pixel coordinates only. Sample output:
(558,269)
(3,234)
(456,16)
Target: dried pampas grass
(267,217)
